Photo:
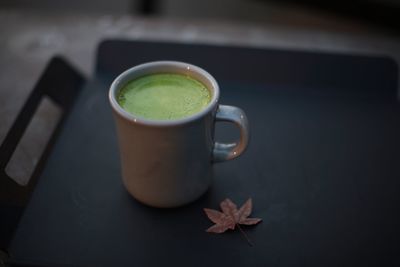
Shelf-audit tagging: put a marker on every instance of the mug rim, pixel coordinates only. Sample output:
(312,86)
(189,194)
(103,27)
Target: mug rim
(189,68)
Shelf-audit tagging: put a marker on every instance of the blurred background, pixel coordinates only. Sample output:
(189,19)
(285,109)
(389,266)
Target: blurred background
(377,12)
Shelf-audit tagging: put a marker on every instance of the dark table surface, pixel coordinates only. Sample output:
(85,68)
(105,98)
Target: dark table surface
(322,169)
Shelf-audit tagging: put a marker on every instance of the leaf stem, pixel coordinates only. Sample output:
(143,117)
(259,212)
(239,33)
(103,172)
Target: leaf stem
(245,235)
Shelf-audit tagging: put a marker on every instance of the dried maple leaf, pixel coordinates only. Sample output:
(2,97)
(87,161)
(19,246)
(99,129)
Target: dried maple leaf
(230,217)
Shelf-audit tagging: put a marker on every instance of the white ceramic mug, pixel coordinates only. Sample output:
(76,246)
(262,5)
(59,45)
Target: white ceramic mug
(168,163)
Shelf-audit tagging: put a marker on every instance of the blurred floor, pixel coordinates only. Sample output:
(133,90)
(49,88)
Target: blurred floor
(287,12)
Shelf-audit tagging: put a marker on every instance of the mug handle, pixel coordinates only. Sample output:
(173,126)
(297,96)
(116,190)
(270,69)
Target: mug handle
(223,151)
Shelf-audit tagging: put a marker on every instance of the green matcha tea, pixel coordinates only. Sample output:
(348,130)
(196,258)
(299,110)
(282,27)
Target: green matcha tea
(164,96)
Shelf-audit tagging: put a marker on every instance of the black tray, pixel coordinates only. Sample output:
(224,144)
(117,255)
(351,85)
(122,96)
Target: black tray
(323,168)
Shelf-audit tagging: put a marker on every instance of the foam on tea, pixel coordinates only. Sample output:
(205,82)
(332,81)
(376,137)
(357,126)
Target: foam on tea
(164,96)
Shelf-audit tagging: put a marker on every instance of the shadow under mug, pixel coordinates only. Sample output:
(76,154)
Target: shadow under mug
(168,163)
